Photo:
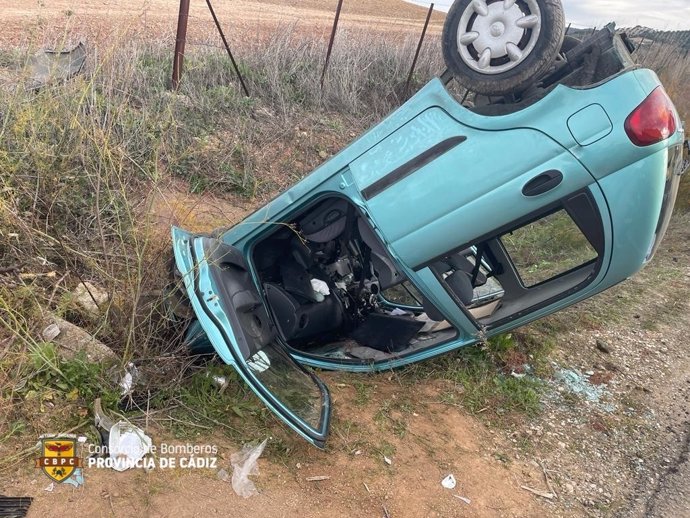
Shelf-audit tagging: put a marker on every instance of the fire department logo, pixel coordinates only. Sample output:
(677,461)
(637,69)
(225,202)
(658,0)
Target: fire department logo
(59,458)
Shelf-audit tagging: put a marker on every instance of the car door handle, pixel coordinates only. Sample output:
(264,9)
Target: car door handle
(543,183)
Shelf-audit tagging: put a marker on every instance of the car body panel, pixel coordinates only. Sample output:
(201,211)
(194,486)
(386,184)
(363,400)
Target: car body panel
(618,97)
(635,196)
(470,190)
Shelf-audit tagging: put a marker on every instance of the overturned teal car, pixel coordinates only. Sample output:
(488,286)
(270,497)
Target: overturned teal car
(448,222)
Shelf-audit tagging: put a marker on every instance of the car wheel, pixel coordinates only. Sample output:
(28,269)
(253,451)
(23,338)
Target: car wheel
(497,47)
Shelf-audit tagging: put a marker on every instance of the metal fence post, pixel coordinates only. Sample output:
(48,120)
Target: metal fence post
(227,47)
(330,43)
(419,46)
(180,41)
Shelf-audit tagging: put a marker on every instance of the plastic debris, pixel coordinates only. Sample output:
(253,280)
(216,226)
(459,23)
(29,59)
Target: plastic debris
(51,332)
(50,487)
(224,475)
(244,463)
(387,460)
(126,383)
(128,380)
(220,381)
(127,445)
(464,499)
(449,482)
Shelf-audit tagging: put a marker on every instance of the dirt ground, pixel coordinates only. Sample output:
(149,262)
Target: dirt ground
(360,485)
(622,454)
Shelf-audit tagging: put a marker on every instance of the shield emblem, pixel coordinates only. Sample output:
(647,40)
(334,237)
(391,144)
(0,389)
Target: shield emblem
(59,458)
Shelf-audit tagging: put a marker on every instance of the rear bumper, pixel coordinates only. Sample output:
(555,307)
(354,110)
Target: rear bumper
(641,198)
(676,167)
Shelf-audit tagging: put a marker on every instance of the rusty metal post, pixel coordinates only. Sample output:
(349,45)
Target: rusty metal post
(330,43)
(180,41)
(419,46)
(227,47)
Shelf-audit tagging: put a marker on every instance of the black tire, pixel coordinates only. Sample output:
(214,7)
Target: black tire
(525,73)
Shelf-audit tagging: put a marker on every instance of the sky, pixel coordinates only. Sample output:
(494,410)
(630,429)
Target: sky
(658,14)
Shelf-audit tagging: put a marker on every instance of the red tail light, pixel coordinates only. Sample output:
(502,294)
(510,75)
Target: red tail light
(652,121)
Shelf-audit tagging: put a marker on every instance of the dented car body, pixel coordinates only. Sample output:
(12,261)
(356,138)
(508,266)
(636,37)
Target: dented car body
(439,227)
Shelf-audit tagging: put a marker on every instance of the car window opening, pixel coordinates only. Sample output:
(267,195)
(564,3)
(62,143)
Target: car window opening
(335,292)
(533,263)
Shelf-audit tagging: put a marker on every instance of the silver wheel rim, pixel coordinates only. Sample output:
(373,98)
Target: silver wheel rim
(495,37)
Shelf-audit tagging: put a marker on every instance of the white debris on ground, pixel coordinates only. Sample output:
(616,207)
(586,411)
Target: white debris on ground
(449,482)
(127,445)
(245,463)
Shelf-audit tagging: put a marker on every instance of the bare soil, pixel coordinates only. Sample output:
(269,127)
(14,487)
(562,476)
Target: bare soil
(438,441)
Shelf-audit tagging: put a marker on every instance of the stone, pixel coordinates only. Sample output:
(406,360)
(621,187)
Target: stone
(51,332)
(72,340)
(603,347)
(89,297)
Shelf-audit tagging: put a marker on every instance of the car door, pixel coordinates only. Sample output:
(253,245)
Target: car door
(437,187)
(230,311)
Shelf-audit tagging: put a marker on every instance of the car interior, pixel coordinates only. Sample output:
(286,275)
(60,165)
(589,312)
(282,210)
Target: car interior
(334,291)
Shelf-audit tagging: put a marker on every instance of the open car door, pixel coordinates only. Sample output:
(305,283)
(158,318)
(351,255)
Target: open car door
(229,309)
